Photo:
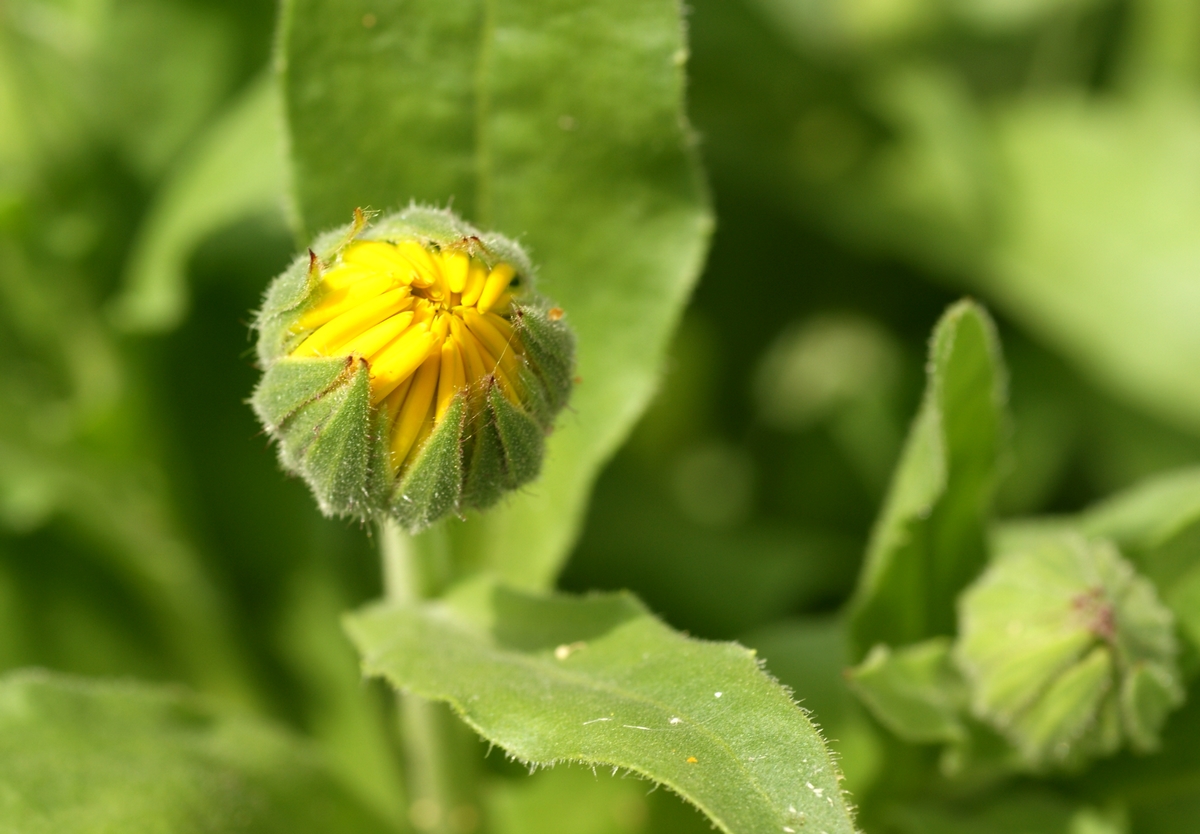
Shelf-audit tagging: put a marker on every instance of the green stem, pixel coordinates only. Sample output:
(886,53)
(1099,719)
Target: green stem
(438,767)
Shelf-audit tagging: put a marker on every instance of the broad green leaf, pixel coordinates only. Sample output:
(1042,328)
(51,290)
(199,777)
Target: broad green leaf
(928,542)
(1098,255)
(80,756)
(598,680)
(916,692)
(556,121)
(235,173)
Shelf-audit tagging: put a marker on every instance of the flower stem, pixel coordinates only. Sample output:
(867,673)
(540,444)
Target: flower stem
(438,766)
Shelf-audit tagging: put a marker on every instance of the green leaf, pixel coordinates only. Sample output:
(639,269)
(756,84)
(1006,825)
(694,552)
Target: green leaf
(79,756)
(234,173)
(928,542)
(1098,255)
(809,657)
(599,680)
(916,692)
(557,121)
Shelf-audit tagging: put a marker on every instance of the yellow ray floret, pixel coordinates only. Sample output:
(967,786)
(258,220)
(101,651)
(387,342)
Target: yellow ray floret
(432,324)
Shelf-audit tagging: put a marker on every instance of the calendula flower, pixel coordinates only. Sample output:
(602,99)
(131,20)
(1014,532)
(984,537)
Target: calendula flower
(410,367)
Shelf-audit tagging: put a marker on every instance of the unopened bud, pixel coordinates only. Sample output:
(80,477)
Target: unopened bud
(1067,651)
(410,368)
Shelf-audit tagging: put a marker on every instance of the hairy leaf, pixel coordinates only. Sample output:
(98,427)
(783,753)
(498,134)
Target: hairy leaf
(599,680)
(556,121)
(79,756)
(928,542)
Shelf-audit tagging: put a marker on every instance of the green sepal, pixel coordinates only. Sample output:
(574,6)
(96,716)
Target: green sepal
(381,479)
(550,350)
(1051,729)
(484,482)
(1147,697)
(522,439)
(291,383)
(432,484)
(916,692)
(336,463)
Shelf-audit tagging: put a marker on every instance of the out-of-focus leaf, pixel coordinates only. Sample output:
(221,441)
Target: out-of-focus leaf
(1098,254)
(235,172)
(345,717)
(928,542)
(557,122)
(599,680)
(1019,812)
(568,801)
(84,78)
(715,583)
(79,756)
(1161,791)
(915,691)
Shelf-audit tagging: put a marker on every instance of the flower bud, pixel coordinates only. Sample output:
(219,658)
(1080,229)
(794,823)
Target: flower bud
(410,368)
(1067,651)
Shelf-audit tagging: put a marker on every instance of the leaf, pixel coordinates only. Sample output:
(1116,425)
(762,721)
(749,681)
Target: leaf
(1098,255)
(809,657)
(560,122)
(235,173)
(928,542)
(80,756)
(915,692)
(599,680)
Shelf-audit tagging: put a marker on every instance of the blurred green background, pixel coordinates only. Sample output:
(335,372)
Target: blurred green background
(870,161)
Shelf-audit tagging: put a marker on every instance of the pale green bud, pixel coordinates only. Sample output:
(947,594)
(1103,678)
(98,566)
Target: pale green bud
(1067,651)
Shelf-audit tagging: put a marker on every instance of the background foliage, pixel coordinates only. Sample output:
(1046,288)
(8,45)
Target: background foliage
(868,162)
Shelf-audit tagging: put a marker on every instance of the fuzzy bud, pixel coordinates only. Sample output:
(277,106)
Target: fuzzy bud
(1067,651)
(410,368)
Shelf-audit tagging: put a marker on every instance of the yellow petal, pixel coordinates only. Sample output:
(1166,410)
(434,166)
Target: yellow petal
(380,256)
(476,278)
(499,347)
(398,360)
(427,272)
(395,400)
(344,275)
(378,337)
(415,409)
(326,340)
(339,300)
(497,282)
(455,266)
(451,378)
(469,346)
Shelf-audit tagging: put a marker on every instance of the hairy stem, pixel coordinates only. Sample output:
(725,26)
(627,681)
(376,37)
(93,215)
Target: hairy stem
(438,765)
